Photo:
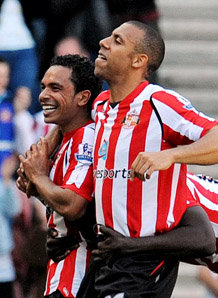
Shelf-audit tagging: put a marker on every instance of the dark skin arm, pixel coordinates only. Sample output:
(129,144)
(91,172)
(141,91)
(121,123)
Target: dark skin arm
(193,238)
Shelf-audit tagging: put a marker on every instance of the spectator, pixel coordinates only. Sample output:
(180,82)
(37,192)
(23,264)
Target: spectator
(70,45)
(6,113)
(75,18)
(18,46)
(9,208)
(30,228)
(23,120)
(29,255)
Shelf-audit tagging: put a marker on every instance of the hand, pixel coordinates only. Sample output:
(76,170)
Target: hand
(113,244)
(24,184)
(37,161)
(147,162)
(59,248)
(22,180)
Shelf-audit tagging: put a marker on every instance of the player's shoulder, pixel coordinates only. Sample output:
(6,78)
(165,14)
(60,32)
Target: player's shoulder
(85,133)
(166,95)
(101,98)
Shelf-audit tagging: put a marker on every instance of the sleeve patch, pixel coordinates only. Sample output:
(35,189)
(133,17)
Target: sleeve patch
(85,155)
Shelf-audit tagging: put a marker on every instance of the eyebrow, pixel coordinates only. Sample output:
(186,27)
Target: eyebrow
(55,84)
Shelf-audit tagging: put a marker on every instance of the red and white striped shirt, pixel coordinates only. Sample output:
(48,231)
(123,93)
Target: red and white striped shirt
(72,169)
(205,192)
(149,119)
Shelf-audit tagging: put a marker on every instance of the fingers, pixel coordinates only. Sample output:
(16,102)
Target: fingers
(43,145)
(33,147)
(105,230)
(108,231)
(57,254)
(138,169)
(22,160)
(58,248)
(142,167)
(149,172)
(21,173)
(60,257)
(21,185)
(22,180)
(29,189)
(52,232)
(100,256)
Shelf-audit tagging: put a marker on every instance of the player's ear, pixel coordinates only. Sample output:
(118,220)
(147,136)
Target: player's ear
(140,60)
(83,97)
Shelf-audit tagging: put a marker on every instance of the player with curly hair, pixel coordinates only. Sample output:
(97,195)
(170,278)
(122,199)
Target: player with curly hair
(67,91)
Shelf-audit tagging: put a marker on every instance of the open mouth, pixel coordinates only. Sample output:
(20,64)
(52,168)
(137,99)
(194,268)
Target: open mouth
(48,108)
(101,56)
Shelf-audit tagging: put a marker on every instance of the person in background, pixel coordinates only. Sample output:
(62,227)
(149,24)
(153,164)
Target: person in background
(88,20)
(23,120)
(18,46)
(70,45)
(6,113)
(30,226)
(9,209)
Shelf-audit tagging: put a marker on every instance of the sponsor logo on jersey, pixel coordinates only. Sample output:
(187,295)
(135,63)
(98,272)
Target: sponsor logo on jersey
(131,120)
(103,151)
(85,153)
(112,173)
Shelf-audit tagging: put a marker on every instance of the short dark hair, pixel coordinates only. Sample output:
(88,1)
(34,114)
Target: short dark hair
(152,44)
(2,60)
(82,74)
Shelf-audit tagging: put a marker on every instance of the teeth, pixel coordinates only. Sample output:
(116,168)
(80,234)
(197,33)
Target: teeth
(48,108)
(101,56)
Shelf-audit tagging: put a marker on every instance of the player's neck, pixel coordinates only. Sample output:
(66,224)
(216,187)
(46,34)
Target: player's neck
(121,90)
(78,120)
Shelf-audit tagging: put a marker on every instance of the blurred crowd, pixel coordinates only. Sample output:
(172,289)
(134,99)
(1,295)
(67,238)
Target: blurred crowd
(31,33)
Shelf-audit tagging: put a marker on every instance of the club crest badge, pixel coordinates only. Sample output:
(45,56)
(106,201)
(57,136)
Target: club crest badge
(131,120)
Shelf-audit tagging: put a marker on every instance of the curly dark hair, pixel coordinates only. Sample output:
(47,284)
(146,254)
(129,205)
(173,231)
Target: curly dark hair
(82,74)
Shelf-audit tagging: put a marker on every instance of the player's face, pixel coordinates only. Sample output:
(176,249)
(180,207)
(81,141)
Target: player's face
(4,75)
(116,52)
(57,96)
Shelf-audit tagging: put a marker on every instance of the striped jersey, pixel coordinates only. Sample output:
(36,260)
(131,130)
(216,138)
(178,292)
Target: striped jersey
(149,119)
(205,191)
(72,169)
